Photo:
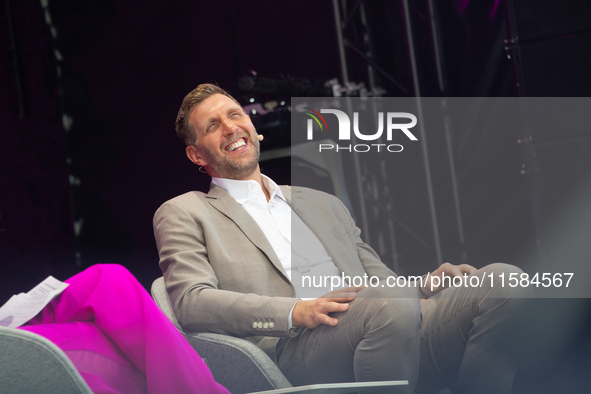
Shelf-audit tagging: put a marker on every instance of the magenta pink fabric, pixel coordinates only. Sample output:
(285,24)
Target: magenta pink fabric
(118,338)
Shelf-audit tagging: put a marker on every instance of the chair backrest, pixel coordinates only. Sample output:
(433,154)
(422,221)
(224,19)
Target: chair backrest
(32,364)
(239,365)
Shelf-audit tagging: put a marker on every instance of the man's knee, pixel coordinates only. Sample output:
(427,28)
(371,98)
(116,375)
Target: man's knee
(500,268)
(505,298)
(405,316)
(396,310)
(506,281)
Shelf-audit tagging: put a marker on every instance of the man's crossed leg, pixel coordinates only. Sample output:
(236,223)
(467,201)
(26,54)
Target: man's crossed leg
(459,338)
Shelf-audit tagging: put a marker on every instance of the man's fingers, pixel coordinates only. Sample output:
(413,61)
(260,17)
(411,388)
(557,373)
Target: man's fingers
(457,270)
(339,307)
(345,297)
(321,313)
(340,294)
(467,269)
(354,289)
(329,321)
(333,306)
(315,312)
(347,292)
(454,271)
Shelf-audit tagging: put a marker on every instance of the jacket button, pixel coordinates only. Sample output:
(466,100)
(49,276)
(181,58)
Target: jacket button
(265,325)
(254,324)
(271,324)
(260,325)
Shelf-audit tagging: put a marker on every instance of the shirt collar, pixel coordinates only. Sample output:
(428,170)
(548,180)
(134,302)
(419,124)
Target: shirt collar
(241,190)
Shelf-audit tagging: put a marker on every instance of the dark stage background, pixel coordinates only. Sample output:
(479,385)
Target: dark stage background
(88,144)
(89,92)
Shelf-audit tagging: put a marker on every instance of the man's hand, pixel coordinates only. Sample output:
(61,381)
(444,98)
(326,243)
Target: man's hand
(449,270)
(313,313)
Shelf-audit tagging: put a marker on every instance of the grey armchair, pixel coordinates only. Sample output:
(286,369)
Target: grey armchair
(31,364)
(237,364)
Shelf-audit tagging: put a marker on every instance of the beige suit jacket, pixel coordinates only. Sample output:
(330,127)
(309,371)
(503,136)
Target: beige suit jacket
(221,272)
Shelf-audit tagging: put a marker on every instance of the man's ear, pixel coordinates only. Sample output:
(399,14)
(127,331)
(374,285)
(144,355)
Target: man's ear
(194,156)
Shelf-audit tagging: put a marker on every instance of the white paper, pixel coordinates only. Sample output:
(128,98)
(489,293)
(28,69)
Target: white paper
(23,307)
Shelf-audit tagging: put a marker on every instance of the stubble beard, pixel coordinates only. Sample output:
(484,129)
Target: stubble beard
(233,169)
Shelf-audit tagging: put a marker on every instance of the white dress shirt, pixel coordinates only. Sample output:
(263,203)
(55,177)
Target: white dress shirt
(300,255)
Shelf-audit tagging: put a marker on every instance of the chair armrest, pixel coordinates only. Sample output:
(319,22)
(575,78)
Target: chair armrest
(237,364)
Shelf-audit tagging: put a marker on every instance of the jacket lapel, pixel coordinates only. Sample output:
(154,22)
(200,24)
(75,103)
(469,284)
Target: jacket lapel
(313,218)
(221,200)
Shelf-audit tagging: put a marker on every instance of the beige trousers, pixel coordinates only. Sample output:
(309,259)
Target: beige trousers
(462,338)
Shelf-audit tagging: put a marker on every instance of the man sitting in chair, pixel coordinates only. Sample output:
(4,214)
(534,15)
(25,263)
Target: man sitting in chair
(228,264)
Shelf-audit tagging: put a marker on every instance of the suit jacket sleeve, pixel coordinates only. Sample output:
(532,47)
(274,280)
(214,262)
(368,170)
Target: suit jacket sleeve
(197,255)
